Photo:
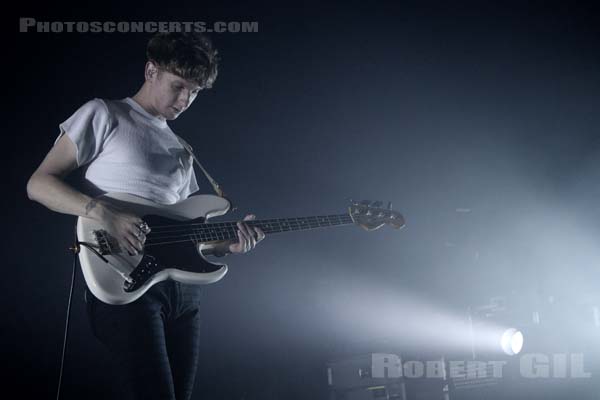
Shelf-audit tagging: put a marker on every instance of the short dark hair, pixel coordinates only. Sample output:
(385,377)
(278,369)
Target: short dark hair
(189,55)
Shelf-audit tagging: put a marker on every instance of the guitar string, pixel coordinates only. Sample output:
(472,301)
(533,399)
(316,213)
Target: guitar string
(207,238)
(219,228)
(254,221)
(260,224)
(215,228)
(225,235)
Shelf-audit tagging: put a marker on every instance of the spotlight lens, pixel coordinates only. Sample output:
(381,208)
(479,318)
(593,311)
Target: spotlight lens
(512,341)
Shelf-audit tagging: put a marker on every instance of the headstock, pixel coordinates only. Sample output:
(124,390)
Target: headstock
(371,215)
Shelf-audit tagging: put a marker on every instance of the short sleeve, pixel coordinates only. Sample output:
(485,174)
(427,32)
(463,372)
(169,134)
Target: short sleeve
(87,128)
(190,186)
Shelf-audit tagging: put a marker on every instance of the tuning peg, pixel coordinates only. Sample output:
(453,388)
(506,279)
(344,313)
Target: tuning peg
(389,207)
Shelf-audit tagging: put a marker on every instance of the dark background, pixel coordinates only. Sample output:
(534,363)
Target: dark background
(439,107)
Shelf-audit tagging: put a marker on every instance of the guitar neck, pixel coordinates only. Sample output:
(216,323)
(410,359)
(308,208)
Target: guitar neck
(228,230)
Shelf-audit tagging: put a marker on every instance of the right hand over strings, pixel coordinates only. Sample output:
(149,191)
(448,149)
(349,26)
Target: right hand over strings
(127,228)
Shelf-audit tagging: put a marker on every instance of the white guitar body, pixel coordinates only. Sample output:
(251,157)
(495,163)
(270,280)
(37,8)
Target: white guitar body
(108,280)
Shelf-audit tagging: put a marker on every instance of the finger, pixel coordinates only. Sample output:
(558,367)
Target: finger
(260,234)
(135,242)
(249,217)
(251,236)
(244,229)
(251,231)
(127,245)
(248,243)
(139,235)
(243,242)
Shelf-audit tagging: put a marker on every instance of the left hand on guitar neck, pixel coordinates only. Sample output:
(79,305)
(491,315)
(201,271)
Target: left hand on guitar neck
(248,237)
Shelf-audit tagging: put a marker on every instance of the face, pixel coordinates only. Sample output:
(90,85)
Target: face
(171,94)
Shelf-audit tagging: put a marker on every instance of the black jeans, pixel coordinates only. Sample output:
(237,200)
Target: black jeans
(155,339)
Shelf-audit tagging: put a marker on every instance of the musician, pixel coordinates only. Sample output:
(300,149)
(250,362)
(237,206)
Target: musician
(127,146)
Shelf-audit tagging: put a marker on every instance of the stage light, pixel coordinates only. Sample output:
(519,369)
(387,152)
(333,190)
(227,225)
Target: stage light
(512,341)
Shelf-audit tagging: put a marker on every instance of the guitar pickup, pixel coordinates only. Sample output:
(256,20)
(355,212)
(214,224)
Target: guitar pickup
(142,273)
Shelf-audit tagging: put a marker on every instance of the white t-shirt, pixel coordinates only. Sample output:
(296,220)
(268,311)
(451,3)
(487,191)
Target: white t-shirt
(129,150)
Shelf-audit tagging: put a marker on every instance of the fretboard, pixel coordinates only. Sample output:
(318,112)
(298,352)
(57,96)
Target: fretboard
(228,230)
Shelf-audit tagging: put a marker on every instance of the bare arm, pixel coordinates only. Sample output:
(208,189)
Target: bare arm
(47,186)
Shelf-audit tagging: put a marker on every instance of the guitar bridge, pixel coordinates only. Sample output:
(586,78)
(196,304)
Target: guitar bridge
(105,245)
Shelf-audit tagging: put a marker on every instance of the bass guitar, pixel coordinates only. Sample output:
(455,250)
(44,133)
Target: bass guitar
(179,234)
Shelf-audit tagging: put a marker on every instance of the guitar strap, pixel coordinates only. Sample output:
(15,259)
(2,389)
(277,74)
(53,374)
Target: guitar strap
(213,183)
